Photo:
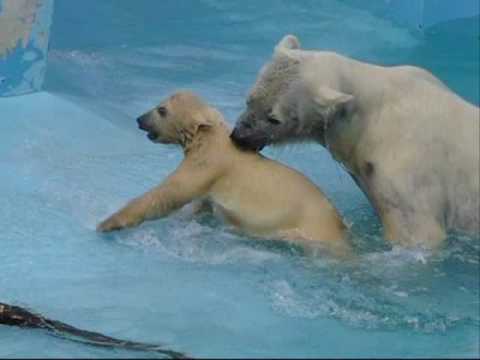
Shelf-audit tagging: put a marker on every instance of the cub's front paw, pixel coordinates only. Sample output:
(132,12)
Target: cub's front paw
(111,224)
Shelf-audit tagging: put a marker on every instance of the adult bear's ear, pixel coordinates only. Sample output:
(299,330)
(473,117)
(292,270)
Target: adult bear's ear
(330,102)
(285,50)
(288,42)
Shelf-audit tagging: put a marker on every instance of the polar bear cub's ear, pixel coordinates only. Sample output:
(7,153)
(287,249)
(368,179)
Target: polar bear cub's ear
(205,119)
(202,122)
(289,42)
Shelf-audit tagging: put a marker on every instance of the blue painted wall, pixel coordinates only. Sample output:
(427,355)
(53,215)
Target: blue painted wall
(24,35)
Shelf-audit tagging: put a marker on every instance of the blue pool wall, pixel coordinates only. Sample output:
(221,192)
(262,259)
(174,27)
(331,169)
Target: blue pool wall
(422,14)
(90,24)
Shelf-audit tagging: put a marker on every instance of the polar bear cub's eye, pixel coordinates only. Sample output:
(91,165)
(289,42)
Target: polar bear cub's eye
(162,111)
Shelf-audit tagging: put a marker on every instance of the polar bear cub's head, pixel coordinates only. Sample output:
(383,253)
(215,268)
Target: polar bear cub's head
(178,119)
(290,100)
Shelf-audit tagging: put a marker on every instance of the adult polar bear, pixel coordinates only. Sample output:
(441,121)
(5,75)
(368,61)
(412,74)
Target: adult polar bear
(410,143)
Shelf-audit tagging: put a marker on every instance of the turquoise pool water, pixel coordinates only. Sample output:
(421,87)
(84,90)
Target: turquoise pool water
(72,154)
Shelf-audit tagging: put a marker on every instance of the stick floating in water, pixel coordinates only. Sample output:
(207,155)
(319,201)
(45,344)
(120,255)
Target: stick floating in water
(21,317)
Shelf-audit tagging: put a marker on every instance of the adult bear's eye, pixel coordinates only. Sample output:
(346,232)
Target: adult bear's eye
(162,111)
(273,121)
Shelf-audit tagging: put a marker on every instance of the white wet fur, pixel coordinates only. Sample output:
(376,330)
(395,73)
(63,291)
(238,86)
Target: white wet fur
(411,143)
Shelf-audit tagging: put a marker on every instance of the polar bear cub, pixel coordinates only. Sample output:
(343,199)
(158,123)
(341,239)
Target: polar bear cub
(260,196)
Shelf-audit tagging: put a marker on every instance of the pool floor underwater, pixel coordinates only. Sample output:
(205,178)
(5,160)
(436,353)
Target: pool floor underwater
(192,284)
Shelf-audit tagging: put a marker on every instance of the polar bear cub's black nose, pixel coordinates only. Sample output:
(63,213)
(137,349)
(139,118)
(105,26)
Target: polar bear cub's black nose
(143,122)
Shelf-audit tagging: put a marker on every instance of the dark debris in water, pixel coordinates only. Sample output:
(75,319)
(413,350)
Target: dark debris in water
(23,318)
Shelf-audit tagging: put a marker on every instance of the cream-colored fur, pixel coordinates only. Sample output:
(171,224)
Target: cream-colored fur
(256,194)
(410,143)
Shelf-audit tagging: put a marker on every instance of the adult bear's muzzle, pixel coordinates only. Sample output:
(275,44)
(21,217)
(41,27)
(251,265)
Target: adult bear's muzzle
(248,139)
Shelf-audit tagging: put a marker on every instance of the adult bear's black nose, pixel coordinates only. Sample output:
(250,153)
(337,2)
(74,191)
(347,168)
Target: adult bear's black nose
(239,138)
(246,139)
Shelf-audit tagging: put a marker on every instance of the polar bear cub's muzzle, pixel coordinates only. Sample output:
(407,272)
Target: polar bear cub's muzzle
(144,124)
(153,123)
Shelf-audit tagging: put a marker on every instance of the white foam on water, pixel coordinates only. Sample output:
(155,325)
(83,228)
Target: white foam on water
(196,243)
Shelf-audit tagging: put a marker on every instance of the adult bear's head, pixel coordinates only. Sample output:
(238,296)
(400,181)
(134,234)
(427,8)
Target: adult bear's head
(292,99)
